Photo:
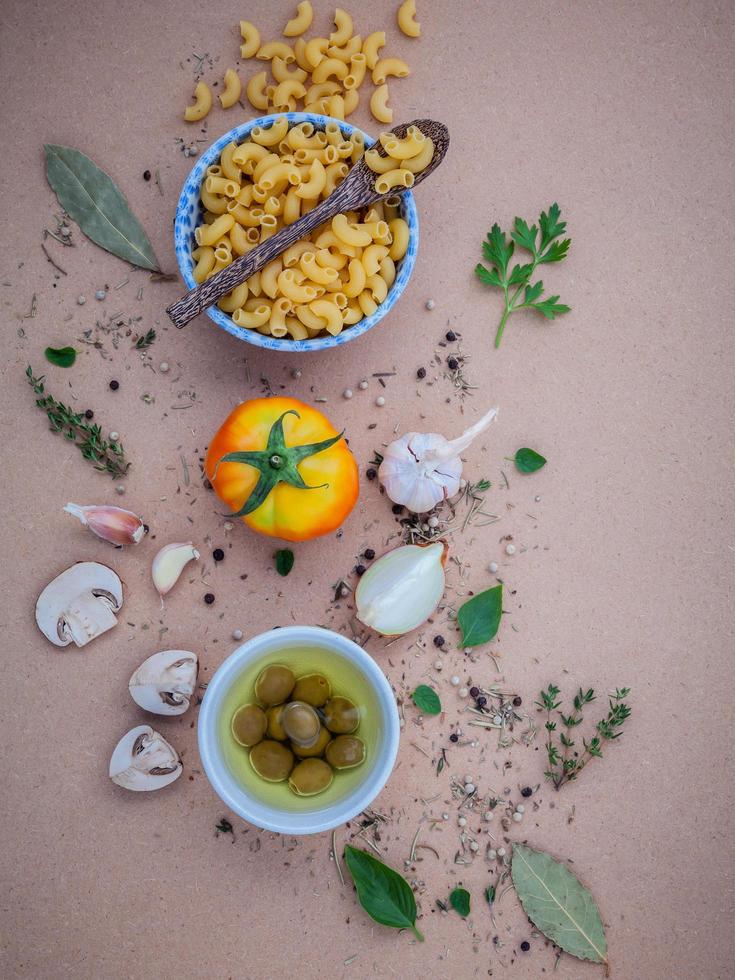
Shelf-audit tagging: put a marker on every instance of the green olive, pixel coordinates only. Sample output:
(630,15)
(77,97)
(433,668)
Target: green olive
(341,716)
(272,761)
(274,684)
(317,749)
(248,725)
(300,723)
(315,689)
(310,777)
(275,728)
(345,752)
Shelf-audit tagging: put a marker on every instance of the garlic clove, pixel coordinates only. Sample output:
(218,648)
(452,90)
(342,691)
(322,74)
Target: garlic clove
(402,588)
(169,563)
(164,683)
(79,604)
(143,760)
(112,524)
(420,469)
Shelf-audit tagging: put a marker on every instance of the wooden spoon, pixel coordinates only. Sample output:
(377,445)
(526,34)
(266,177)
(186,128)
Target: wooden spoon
(357,190)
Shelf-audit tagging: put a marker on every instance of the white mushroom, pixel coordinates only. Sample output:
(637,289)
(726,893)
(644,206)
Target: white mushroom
(79,604)
(165,682)
(143,760)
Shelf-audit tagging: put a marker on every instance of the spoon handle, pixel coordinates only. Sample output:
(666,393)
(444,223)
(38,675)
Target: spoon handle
(207,293)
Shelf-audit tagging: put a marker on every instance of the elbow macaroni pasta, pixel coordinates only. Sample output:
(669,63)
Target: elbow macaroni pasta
(325,72)
(404,159)
(323,284)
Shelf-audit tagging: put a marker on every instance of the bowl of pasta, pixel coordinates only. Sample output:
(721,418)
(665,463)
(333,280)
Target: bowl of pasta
(254,180)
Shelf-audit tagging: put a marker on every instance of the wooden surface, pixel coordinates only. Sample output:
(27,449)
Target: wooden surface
(622,112)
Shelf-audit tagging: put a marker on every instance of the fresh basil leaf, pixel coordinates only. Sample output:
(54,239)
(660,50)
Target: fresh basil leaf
(479,617)
(427,700)
(284,561)
(558,904)
(384,894)
(459,899)
(92,199)
(61,356)
(529,461)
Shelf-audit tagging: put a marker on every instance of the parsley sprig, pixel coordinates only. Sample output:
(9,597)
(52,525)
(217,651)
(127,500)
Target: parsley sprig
(565,764)
(518,291)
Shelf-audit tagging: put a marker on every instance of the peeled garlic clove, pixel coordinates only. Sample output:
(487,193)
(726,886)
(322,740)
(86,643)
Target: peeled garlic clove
(169,563)
(112,524)
(421,469)
(164,683)
(143,760)
(402,589)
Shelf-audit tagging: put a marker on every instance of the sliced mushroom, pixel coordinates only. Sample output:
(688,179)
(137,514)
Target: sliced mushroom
(165,682)
(80,604)
(143,760)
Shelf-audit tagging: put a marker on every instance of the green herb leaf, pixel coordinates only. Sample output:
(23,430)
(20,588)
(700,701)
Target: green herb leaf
(284,561)
(93,200)
(427,700)
(558,904)
(518,292)
(61,356)
(459,899)
(383,893)
(146,340)
(479,617)
(528,460)
(490,894)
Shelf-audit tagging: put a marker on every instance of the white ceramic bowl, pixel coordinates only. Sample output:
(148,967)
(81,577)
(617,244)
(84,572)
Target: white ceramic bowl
(235,795)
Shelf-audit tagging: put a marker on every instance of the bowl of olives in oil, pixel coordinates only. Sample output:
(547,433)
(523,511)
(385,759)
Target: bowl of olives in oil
(298,730)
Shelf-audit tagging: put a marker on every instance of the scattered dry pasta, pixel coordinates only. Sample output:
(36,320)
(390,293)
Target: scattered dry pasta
(325,73)
(343,271)
(403,160)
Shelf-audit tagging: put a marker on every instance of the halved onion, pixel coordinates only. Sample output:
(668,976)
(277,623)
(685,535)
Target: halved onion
(402,589)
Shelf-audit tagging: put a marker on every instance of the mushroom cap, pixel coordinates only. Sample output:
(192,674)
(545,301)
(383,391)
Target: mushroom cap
(143,760)
(165,682)
(79,604)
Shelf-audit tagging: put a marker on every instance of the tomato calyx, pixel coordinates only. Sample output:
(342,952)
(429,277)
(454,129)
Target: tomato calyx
(277,463)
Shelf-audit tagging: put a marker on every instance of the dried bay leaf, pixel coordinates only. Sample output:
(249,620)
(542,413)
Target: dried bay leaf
(92,199)
(558,904)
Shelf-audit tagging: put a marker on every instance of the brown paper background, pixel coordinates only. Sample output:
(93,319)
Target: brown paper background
(620,111)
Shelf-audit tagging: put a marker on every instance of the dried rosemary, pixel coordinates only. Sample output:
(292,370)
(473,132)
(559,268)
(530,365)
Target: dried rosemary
(106,456)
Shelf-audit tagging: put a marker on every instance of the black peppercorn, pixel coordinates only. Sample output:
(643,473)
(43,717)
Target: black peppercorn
(89,414)
(397,508)
(526,791)
(517,702)
(454,737)
(146,175)
(481,701)
(114,385)
(451,335)
(525,946)
(452,363)
(360,569)
(369,554)
(209,598)
(146,529)
(474,691)
(218,554)
(421,373)
(371,473)
(439,641)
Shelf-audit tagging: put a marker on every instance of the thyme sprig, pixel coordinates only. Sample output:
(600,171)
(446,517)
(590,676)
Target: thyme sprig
(108,456)
(565,764)
(146,340)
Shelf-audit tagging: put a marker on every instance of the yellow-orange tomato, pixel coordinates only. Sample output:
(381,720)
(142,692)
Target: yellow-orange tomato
(277,442)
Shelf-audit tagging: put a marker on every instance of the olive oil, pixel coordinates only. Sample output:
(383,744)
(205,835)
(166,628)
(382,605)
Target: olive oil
(347,681)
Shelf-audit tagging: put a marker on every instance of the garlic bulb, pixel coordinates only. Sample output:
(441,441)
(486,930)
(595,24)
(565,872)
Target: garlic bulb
(402,589)
(112,524)
(421,469)
(169,563)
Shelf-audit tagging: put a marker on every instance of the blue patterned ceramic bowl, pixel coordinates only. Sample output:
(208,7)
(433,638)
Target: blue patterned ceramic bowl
(189,215)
